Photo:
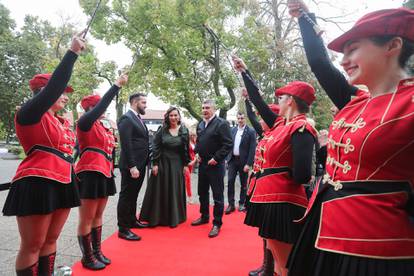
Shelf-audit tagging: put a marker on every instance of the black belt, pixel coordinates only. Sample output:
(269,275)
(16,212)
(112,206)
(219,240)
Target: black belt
(61,155)
(328,191)
(107,156)
(269,171)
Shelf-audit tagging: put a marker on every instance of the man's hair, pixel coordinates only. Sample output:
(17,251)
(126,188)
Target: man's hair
(210,102)
(135,96)
(240,113)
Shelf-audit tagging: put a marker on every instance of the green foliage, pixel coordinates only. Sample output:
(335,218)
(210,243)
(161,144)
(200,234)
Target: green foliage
(37,48)
(176,58)
(409,4)
(271,47)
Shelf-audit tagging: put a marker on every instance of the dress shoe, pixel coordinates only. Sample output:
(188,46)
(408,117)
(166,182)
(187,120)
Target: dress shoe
(214,231)
(199,221)
(139,224)
(242,208)
(230,209)
(126,234)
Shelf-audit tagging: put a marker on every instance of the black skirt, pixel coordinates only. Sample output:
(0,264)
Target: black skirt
(306,260)
(93,185)
(40,196)
(278,221)
(254,215)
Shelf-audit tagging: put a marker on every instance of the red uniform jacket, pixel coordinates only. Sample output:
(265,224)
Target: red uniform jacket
(96,147)
(258,156)
(274,184)
(370,173)
(48,145)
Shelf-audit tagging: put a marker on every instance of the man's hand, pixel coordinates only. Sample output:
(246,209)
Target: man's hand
(134,172)
(212,162)
(155,170)
(78,43)
(198,158)
(246,168)
(122,80)
(185,170)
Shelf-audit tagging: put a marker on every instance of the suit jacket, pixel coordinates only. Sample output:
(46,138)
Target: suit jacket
(213,141)
(247,145)
(134,142)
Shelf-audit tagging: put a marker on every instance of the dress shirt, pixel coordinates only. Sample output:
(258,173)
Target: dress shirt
(206,122)
(237,140)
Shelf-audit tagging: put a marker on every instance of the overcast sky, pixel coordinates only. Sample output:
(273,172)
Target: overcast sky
(54,10)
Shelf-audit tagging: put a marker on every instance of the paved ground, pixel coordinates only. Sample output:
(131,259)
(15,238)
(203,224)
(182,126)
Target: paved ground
(68,249)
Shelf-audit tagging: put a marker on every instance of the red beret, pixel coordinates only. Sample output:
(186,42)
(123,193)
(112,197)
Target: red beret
(90,101)
(398,22)
(40,80)
(300,89)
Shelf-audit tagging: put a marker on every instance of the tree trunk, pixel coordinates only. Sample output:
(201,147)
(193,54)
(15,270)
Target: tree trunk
(119,106)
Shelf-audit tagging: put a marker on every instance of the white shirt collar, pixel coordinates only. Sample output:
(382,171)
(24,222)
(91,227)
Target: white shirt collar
(209,120)
(241,128)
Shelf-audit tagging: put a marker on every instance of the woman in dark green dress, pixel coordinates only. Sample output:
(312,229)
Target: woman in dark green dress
(164,201)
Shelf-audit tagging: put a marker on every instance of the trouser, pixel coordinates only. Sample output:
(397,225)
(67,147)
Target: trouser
(127,203)
(235,166)
(211,176)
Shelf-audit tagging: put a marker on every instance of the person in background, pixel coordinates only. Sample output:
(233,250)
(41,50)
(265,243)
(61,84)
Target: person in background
(262,129)
(214,143)
(193,138)
(133,134)
(95,172)
(285,166)
(164,201)
(239,161)
(43,189)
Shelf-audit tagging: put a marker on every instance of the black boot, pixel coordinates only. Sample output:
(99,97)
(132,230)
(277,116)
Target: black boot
(268,264)
(47,264)
(260,269)
(28,271)
(96,245)
(88,259)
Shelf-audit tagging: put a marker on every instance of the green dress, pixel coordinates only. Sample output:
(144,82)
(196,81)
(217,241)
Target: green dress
(165,199)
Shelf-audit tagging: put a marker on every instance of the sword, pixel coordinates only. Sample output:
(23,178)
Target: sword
(315,26)
(92,18)
(228,51)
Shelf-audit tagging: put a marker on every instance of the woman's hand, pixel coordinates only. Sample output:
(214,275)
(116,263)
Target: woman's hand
(78,43)
(238,64)
(296,7)
(185,170)
(155,170)
(244,93)
(122,80)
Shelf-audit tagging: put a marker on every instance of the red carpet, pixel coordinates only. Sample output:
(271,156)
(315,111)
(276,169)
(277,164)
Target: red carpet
(185,250)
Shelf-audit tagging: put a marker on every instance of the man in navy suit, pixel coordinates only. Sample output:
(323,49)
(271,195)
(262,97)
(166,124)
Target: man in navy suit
(240,160)
(132,163)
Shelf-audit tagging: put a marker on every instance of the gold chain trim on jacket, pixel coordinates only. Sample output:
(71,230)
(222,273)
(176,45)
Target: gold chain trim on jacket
(348,147)
(336,184)
(354,127)
(345,166)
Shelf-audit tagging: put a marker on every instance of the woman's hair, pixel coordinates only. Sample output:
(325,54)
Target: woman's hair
(407,48)
(303,107)
(167,115)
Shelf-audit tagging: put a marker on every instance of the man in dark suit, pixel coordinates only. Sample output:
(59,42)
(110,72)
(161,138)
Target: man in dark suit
(132,163)
(240,160)
(213,145)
